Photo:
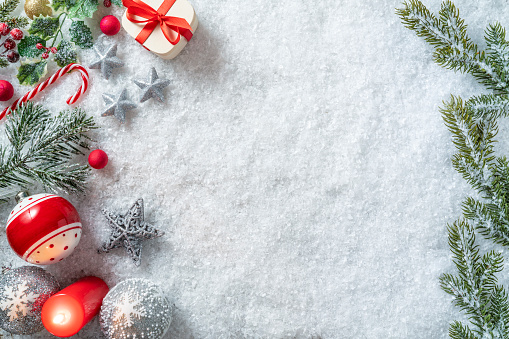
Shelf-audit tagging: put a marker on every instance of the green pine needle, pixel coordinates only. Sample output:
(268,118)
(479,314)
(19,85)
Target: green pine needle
(41,148)
(473,125)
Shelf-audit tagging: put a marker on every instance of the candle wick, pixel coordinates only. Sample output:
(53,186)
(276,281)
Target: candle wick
(59,318)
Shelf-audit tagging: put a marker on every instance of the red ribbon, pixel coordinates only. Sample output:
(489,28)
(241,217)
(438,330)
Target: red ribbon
(154,18)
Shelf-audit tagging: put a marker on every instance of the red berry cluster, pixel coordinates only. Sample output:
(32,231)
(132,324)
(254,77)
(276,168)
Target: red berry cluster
(45,55)
(9,43)
(107,3)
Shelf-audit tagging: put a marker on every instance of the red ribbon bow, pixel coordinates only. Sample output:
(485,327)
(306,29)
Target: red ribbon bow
(154,18)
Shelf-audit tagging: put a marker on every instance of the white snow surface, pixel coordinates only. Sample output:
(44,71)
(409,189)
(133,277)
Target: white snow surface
(299,167)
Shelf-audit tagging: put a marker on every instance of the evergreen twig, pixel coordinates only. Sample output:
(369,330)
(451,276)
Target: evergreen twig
(473,125)
(40,149)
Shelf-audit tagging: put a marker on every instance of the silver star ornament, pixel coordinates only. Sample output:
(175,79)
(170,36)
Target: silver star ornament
(106,60)
(153,87)
(117,106)
(128,230)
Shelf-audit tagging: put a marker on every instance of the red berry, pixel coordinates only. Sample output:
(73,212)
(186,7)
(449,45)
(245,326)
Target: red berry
(9,43)
(39,46)
(53,50)
(12,56)
(45,55)
(4,29)
(107,3)
(98,159)
(6,90)
(17,34)
(109,25)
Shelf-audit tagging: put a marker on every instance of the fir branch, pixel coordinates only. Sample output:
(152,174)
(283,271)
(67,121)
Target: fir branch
(7,7)
(14,22)
(453,48)
(475,288)
(40,149)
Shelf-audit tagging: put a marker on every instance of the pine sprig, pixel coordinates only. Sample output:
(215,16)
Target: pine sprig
(475,288)
(5,10)
(453,48)
(40,149)
(473,124)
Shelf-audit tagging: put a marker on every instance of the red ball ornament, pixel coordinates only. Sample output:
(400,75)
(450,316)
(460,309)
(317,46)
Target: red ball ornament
(6,90)
(43,228)
(110,25)
(98,159)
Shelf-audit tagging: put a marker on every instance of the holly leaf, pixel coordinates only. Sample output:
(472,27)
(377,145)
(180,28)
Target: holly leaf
(81,8)
(30,72)
(44,27)
(56,4)
(26,47)
(81,34)
(66,54)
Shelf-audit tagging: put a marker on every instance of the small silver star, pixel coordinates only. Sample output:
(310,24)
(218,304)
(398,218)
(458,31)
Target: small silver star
(107,60)
(129,230)
(153,87)
(117,106)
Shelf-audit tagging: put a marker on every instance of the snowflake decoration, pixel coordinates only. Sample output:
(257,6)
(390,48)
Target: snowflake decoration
(18,301)
(128,310)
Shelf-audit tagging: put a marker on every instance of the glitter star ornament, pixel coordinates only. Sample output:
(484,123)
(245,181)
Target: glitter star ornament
(23,291)
(129,230)
(117,106)
(153,87)
(135,308)
(106,60)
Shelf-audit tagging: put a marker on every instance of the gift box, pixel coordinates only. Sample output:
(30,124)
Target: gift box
(162,26)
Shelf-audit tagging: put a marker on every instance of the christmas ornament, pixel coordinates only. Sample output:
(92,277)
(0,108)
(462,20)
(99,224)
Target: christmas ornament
(107,60)
(153,87)
(35,8)
(129,230)
(158,25)
(43,228)
(135,308)
(6,90)
(109,25)
(117,106)
(63,71)
(23,291)
(65,313)
(98,159)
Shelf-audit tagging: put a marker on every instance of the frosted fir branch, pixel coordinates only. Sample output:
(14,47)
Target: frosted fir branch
(453,48)
(475,288)
(488,107)
(41,148)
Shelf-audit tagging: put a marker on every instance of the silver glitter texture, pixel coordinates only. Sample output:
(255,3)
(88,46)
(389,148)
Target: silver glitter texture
(106,60)
(153,87)
(23,291)
(129,230)
(135,308)
(117,106)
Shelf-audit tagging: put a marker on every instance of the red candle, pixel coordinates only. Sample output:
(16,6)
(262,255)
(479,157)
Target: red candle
(66,312)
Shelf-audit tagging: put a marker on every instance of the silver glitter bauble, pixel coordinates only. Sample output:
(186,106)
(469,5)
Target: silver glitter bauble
(135,308)
(23,291)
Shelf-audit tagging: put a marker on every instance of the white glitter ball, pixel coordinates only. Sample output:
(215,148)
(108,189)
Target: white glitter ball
(135,308)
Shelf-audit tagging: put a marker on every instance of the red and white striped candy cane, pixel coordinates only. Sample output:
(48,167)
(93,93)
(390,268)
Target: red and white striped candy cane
(49,81)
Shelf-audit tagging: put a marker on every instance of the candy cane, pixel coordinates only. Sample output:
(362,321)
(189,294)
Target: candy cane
(54,77)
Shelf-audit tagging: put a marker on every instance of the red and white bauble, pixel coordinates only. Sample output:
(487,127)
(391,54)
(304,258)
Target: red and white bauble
(43,229)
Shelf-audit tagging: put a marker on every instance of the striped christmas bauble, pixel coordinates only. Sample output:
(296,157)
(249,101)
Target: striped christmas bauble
(43,229)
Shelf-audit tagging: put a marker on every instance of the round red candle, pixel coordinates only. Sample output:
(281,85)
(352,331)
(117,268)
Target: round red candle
(66,312)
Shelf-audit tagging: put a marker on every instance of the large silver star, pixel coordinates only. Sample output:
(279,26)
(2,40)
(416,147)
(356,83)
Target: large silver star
(106,60)
(153,87)
(117,106)
(128,231)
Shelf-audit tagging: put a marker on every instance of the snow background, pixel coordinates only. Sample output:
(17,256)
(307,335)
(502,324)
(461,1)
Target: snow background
(299,167)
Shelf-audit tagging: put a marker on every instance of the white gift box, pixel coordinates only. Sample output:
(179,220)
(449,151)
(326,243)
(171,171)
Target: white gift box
(157,42)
